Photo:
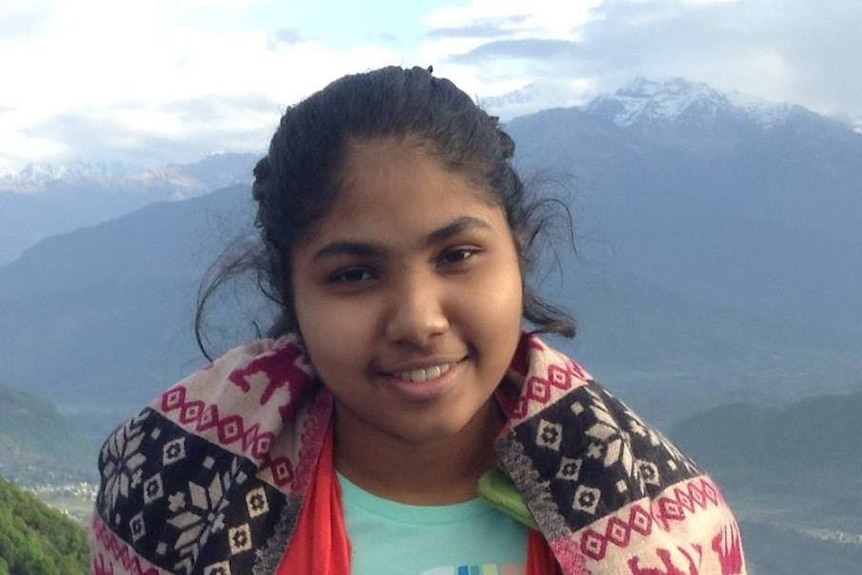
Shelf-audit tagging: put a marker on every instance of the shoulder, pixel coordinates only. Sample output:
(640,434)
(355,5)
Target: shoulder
(604,486)
(200,473)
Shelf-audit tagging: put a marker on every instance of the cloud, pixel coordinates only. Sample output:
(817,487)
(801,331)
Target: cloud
(215,108)
(284,37)
(216,75)
(21,23)
(783,50)
(530,48)
(387,37)
(483,28)
(165,78)
(178,131)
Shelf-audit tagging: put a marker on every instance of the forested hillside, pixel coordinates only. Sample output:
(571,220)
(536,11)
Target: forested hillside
(37,540)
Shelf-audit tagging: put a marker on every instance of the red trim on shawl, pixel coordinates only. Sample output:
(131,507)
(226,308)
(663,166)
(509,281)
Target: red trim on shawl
(319,545)
(540,558)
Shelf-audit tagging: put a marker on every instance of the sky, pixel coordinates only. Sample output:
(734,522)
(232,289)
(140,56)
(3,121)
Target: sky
(148,83)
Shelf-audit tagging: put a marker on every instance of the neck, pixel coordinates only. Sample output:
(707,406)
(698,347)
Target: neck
(435,472)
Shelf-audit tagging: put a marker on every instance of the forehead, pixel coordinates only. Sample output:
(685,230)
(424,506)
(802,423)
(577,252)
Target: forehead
(399,188)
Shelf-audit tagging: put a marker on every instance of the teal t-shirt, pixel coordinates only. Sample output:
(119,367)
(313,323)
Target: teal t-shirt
(470,538)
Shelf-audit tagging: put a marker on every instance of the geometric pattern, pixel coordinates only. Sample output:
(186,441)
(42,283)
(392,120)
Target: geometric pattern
(185,499)
(590,438)
(608,481)
(210,479)
(231,429)
(641,519)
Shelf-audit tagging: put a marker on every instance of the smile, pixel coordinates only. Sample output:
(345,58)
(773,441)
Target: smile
(420,375)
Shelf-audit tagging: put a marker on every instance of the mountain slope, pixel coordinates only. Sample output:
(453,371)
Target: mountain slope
(689,291)
(793,448)
(37,540)
(63,198)
(39,446)
(101,318)
(725,209)
(791,473)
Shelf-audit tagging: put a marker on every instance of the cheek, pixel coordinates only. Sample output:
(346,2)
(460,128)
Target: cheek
(496,306)
(336,335)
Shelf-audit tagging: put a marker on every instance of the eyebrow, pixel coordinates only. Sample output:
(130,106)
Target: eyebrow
(378,251)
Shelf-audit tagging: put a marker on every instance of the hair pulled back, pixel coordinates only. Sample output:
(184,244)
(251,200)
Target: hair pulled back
(299,178)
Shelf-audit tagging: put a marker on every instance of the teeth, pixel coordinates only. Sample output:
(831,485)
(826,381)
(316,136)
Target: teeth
(419,375)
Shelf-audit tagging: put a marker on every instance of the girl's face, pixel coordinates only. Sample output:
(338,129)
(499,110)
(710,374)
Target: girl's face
(408,296)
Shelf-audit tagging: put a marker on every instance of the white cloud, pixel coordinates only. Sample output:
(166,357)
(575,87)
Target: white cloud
(122,65)
(190,76)
(557,19)
(784,50)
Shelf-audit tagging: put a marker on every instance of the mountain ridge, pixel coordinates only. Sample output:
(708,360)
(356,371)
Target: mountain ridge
(56,205)
(656,101)
(701,237)
(40,177)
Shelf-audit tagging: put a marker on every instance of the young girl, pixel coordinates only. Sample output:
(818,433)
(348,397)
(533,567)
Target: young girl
(401,420)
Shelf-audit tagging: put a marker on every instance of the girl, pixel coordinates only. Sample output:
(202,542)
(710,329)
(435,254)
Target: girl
(400,420)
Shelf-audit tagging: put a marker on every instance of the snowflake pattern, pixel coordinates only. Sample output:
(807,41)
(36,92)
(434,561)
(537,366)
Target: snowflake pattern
(121,460)
(204,516)
(174,494)
(587,443)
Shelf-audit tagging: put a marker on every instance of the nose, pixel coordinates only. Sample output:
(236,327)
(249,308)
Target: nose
(416,311)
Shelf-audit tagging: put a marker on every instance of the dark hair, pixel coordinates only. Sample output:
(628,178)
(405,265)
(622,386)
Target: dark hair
(300,176)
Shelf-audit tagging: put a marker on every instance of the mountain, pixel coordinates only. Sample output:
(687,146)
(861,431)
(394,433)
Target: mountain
(38,540)
(38,175)
(795,450)
(679,102)
(714,263)
(39,446)
(45,200)
(100,319)
(706,203)
(792,475)
(766,163)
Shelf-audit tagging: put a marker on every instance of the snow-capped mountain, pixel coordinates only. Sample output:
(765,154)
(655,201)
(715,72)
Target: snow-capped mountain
(215,171)
(37,175)
(44,199)
(649,102)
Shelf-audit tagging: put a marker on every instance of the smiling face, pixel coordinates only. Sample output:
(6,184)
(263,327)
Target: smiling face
(408,296)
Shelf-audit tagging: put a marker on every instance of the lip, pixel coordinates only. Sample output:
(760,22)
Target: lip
(428,390)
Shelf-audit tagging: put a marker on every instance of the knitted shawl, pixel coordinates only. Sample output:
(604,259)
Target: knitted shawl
(211,477)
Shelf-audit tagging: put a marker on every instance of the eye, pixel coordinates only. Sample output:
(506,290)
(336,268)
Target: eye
(350,275)
(457,255)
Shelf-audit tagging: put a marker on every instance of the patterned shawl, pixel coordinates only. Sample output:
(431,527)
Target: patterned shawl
(210,479)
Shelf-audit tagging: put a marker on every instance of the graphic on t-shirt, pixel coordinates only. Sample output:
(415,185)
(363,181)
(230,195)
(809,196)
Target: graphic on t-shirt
(488,569)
